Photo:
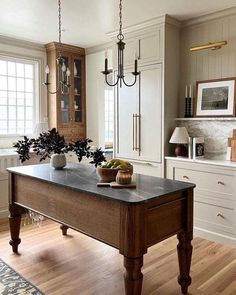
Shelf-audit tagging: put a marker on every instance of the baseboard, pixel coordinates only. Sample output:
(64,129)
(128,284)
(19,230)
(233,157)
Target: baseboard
(4,214)
(215,237)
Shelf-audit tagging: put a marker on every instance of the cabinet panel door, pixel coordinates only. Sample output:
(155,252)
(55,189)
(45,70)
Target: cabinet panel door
(131,51)
(151,47)
(151,113)
(126,107)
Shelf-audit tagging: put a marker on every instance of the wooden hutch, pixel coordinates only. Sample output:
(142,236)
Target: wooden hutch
(67,110)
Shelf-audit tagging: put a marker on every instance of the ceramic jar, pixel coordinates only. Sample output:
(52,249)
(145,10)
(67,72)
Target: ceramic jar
(58,161)
(123,177)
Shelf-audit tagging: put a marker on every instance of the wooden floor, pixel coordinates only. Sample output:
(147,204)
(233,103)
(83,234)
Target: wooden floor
(78,265)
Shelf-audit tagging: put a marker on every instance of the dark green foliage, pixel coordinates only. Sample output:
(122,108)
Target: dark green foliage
(98,157)
(52,142)
(49,142)
(23,148)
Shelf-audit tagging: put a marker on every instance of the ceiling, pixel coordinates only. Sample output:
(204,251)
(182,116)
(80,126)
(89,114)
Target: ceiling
(86,22)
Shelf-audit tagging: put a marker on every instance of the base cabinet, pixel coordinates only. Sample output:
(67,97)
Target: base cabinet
(214,197)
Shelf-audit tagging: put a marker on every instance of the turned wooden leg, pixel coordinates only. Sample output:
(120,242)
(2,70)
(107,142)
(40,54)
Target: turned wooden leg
(64,229)
(14,222)
(184,255)
(133,276)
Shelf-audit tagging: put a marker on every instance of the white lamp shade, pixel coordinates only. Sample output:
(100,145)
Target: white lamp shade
(179,136)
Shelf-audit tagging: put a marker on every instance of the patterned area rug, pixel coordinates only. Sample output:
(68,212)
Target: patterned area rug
(12,283)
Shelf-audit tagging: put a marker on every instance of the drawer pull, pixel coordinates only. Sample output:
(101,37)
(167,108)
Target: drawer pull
(219,214)
(185,177)
(221,182)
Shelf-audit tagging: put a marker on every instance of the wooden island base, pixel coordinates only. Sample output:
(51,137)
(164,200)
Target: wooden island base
(129,220)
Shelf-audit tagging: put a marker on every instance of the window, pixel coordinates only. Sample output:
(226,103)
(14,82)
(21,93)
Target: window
(109,117)
(17,96)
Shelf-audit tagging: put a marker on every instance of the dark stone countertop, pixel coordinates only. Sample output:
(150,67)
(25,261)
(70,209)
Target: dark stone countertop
(84,178)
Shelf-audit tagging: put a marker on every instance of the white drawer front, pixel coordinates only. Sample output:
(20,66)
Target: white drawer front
(214,218)
(215,182)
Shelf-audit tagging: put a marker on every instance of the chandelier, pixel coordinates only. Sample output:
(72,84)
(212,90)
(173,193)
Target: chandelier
(62,69)
(120,72)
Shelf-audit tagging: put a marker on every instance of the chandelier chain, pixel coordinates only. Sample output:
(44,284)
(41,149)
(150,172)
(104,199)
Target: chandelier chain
(120,36)
(59,20)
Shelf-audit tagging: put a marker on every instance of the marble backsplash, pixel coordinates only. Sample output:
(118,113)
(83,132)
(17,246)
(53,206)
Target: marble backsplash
(215,134)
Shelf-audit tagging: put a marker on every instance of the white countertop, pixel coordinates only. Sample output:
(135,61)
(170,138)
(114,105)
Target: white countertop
(7,152)
(208,161)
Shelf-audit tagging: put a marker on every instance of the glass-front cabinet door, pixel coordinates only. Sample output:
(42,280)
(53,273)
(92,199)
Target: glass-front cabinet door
(78,90)
(65,94)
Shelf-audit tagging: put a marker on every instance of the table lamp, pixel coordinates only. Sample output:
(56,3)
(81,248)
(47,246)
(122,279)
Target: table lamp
(180,137)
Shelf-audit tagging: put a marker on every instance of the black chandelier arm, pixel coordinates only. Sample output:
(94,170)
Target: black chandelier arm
(51,92)
(130,85)
(112,85)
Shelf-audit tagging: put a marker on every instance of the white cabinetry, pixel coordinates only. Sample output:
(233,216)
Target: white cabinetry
(145,112)
(138,112)
(214,196)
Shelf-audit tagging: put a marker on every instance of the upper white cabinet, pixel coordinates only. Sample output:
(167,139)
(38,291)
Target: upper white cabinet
(145,112)
(147,47)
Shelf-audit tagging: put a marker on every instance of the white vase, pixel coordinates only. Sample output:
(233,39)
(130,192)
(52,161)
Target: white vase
(75,70)
(58,161)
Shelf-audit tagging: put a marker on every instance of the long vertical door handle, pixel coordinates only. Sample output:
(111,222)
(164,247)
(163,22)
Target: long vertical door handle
(138,132)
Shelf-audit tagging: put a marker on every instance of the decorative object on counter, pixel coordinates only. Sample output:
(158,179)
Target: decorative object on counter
(232,146)
(212,46)
(120,63)
(215,98)
(188,110)
(51,142)
(190,147)
(62,69)
(123,177)
(180,137)
(108,171)
(198,147)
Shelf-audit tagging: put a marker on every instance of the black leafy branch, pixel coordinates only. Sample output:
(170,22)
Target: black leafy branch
(52,142)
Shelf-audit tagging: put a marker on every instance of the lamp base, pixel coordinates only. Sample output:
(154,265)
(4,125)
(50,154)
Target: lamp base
(181,151)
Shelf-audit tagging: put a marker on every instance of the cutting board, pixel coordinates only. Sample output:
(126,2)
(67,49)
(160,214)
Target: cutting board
(116,185)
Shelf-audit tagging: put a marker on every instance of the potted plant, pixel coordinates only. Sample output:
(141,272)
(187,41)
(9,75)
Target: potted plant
(52,145)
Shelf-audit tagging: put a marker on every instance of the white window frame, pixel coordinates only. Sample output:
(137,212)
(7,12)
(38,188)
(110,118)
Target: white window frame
(109,145)
(36,90)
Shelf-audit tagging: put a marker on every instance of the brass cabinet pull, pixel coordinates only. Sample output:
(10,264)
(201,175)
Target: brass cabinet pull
(138,131)
(185,177)
(133,131)
(219,214)
(221,182)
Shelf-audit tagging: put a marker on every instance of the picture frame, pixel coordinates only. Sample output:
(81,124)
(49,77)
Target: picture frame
(216,98)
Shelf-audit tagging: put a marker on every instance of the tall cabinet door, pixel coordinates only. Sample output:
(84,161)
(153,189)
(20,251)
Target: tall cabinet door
(150,120)
(127,107)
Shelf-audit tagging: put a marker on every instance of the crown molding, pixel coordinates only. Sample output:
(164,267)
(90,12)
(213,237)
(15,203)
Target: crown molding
(22,43)
(209,17)
(154,22)
(98,48)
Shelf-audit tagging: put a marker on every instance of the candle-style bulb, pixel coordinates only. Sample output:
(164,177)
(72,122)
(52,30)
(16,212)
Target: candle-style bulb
(47,70)
(63,68)
(68,72)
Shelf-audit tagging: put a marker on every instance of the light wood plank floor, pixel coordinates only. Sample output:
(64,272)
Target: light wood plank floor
(79,265)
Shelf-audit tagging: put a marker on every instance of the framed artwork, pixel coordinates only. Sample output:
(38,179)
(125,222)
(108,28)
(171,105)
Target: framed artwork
(215,98)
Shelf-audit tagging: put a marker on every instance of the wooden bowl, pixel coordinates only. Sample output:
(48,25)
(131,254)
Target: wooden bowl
(109,174)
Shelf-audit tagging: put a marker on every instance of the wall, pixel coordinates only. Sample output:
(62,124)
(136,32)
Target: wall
(95,94)
(206,65)
(23,49)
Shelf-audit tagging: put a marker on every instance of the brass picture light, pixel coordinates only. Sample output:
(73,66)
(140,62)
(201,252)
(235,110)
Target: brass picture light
(212,46)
